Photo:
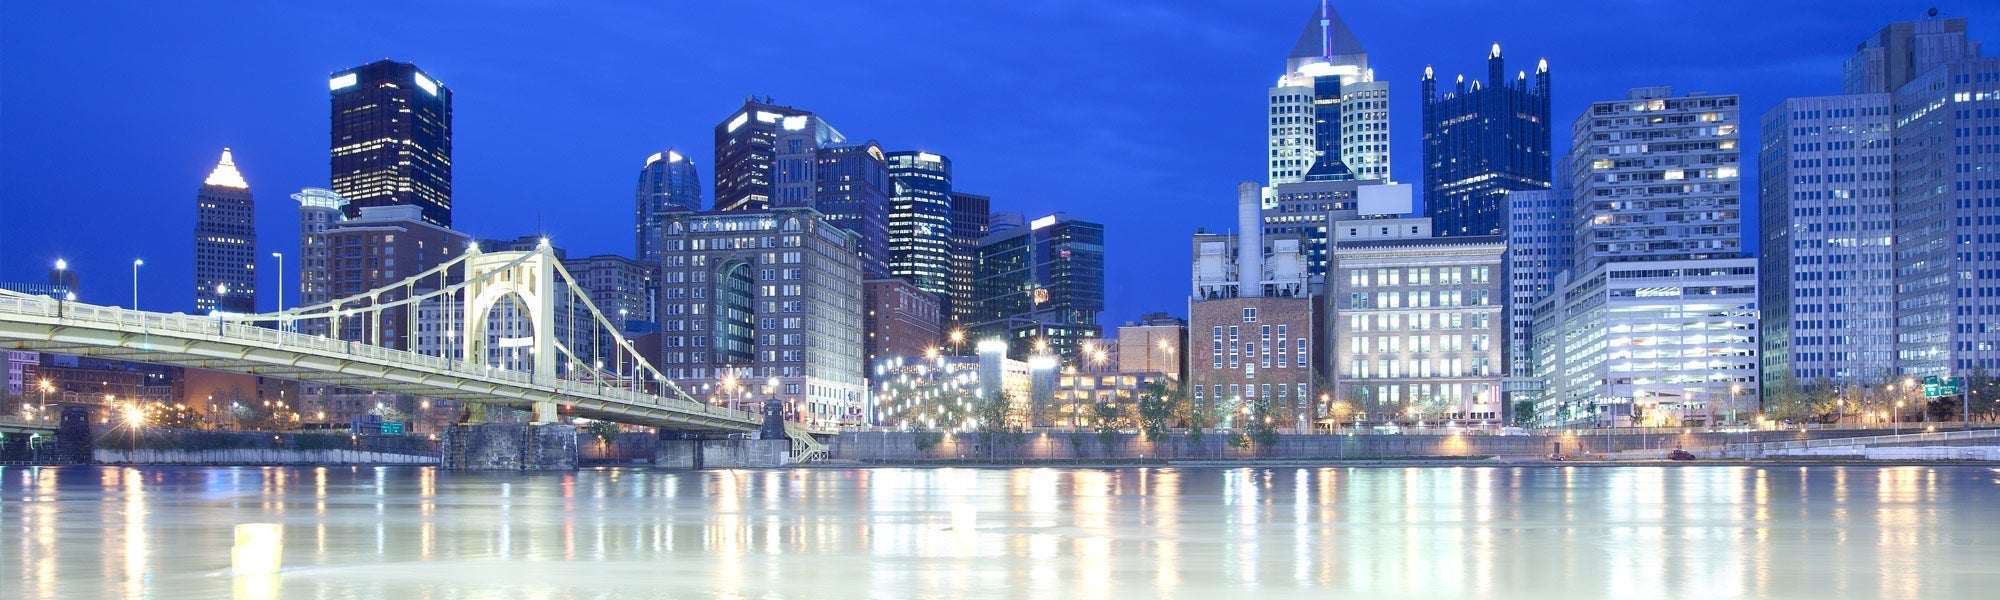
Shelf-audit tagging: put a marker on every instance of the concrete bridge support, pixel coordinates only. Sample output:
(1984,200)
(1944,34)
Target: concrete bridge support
(509,447)
(677,451)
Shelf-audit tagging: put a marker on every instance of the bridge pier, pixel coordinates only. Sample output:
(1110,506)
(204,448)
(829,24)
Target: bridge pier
(509,447)
(74,445)
(677,450)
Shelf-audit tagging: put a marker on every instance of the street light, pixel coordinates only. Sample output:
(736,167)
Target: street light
(281,283)
(136,263)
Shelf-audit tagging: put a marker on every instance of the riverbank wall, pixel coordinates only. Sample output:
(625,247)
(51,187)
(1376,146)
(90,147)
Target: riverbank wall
(1086,445)
(257,456)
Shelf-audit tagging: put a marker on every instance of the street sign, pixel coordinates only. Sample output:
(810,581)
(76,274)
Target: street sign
(392,428)
(1936,387)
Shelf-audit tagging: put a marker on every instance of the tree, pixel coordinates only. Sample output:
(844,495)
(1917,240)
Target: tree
(1157,405)
(1259,423)
(1524,413)
(606,432)
(1984,393)
(998,421)
(1199,414)
(1107,416)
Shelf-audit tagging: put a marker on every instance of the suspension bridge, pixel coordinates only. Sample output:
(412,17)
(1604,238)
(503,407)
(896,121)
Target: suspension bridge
(509,329)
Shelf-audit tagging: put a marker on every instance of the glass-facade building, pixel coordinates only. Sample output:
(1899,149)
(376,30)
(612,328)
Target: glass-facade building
(668,181)
(1481,142)
(746,149)
(852,189)
(392,139)
(920,232)
(1327,117)
(970,220)
(1041,287)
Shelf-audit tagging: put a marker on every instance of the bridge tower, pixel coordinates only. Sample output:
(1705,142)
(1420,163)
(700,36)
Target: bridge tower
(493,278)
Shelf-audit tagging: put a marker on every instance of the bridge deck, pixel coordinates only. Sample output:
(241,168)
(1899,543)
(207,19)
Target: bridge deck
(46,325)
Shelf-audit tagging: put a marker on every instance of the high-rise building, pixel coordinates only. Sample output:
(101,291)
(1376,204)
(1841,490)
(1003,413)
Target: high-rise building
(971,217)
(920,230)
(1826,193)
(385,245)
(746,153)
(1538,249)
(1418,323)
(1901,52)
(621,288)
(669,180)
(1947,213)
(319,213)
(852,189)
(763,304)
(1657,322)
(1482,142)
(1328,117)
(902,321)
(225,242)
(392,139)
(1040,287)
(1657,177)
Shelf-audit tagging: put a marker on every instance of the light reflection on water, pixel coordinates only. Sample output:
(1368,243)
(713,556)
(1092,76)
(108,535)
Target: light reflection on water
(1585,532)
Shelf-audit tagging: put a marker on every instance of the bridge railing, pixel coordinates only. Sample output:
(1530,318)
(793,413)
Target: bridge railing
(142,322)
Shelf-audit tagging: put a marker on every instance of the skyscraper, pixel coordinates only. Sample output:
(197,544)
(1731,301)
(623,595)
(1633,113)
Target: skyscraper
(1482,142)
(1328,117)
(920,241)
(668,180)
(851,188)
(392,139)
(746,152)
(1826,203)
(1947,212)
(1041,287)
(225,242)
(971,215)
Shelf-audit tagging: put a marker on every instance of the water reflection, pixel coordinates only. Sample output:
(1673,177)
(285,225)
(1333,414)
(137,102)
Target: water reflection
(1709,532)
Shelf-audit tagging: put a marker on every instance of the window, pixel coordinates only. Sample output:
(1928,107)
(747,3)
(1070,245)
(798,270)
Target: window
(1250,315)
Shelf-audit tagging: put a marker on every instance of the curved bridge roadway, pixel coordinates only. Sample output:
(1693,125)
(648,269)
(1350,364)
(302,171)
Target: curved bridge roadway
(41,324)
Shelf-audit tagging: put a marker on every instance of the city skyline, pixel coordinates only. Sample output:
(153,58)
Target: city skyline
(272,108)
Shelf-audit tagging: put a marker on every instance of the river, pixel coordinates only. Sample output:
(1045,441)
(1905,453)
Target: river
(1680,531)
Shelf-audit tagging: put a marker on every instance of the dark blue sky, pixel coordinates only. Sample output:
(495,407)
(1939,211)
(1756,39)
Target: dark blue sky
(1141,115)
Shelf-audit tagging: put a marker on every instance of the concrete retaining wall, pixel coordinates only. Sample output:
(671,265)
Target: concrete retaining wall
(1896,453)
(1063,445)
(246,456)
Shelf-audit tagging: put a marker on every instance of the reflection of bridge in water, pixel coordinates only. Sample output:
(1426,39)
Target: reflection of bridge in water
(577,362)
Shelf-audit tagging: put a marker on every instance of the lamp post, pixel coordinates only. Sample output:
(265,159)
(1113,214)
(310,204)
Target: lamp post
(136,263)
(1734,389)
(281,284)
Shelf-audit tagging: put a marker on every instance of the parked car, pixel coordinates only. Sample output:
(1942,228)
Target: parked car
(1513,431)
(1679,454)
(1390,429)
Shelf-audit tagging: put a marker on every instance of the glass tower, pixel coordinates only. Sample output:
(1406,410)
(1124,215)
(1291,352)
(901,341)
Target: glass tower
(392,139)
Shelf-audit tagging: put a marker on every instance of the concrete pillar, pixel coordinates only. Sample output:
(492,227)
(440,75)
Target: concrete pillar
(545,413)
(74,446)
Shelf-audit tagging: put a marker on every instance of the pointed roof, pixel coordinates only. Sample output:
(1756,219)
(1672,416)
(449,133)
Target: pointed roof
(1326,35)
(226,175)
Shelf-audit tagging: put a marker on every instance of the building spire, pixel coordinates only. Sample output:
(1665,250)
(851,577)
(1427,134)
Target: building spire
(226,175)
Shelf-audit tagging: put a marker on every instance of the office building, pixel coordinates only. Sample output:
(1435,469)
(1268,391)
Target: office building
(1418,323)
(225,242)
(902,321)
(1040,287)
(1947,202)
(319,213)
(1827,205)
(1481,142)
(746,149)
(852,189)
(621,288)
(971,216)
(391,139)
(668,181)
(1328,116)
(920,229)
(1538,249)
(763,304)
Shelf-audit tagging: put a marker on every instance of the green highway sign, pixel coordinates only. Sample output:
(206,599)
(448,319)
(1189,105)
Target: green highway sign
(1938,387)
(392,428)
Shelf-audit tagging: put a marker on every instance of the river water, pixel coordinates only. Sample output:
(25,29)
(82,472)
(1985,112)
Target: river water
(1446,532)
